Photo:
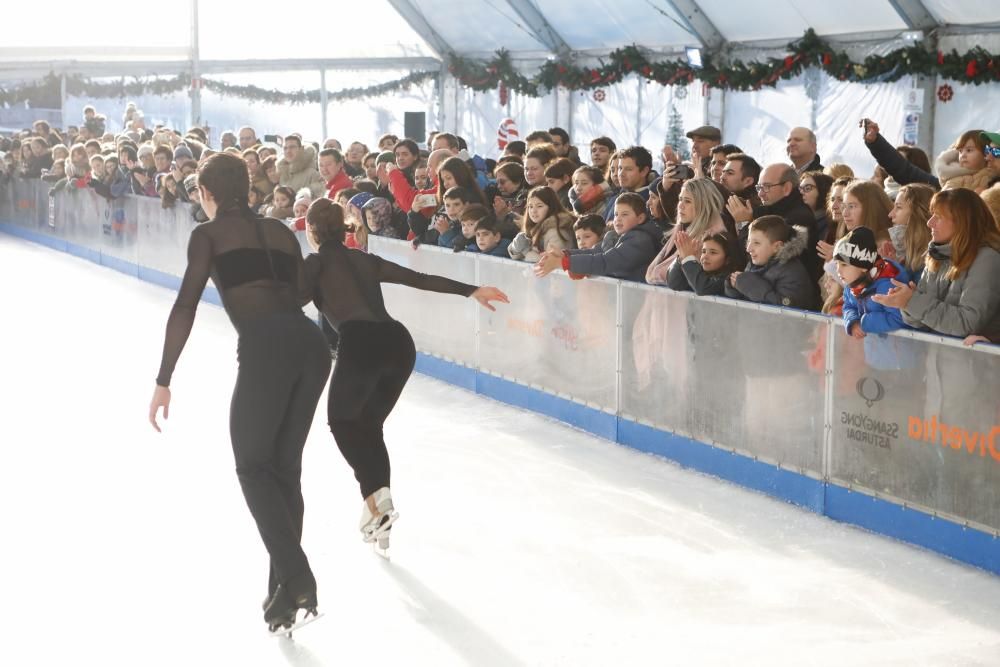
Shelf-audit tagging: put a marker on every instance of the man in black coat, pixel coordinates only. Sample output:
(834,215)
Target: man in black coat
(800,146)
(779,195)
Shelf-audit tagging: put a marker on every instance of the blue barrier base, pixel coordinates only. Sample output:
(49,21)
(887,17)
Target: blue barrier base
(909,525)
(880,516)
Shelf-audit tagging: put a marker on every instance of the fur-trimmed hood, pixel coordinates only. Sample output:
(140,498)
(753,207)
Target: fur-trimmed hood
(305,160)
(794,247)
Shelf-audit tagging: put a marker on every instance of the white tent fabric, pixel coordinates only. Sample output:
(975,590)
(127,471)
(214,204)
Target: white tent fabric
(630,111)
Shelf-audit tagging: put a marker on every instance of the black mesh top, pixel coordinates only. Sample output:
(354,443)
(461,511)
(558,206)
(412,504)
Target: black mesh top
(345,283)
(255,263)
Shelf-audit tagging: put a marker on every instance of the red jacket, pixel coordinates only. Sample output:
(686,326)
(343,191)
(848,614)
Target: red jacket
(404,193)
(339,182)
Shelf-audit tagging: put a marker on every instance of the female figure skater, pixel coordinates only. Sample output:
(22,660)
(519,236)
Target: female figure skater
(376,353)
(256,264)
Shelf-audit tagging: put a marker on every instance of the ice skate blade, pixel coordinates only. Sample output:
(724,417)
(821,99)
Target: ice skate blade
(381,547)
(303,619)
(381,530)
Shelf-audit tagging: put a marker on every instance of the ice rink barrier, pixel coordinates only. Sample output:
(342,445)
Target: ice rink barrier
(899,434)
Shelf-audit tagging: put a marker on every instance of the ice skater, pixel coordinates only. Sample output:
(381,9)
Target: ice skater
(256,264)
(376,353)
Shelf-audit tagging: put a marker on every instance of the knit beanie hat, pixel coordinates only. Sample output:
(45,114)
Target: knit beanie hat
(385,156)
(360,199)
(145,149)
(190,182)
(182,151)
(857,248)
(303,197)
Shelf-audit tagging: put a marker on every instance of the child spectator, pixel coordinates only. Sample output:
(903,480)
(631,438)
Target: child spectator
(775,274)
(865,274)
(488,238)
(704,267)
(589,194)
(589,230)
(447,221)
(302,200)
(376,214)
(639,241)
(470,219)
(281,204)
(546,226)
(909,232)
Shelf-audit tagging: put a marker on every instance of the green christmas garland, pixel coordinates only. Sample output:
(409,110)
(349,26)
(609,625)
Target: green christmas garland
(976,66)
(78,86)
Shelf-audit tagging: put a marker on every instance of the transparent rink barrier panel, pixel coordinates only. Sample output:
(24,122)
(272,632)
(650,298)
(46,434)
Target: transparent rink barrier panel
(443,325)
(120,228)
(918,421)
(746,378)
(557,334)
(163,234)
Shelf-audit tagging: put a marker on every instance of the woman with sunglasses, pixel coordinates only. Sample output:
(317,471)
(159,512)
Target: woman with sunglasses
(814,186)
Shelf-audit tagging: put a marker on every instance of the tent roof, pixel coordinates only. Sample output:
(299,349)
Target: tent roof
(413,32)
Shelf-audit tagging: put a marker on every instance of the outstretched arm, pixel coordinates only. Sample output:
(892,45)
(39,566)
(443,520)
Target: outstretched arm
(182,318)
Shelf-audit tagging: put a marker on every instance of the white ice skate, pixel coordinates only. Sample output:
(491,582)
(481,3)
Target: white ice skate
(377,517)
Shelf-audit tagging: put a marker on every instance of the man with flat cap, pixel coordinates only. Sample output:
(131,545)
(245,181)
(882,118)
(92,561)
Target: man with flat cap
(703,140)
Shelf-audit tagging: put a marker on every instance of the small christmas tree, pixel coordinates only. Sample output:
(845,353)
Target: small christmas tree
(675,134)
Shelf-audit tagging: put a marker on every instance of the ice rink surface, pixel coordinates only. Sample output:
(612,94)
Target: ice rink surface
(521,541)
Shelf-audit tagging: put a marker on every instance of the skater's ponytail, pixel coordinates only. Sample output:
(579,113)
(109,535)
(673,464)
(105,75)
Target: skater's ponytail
(325,222)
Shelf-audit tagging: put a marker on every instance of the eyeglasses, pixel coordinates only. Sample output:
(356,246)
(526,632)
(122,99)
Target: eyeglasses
(764,187)
(992,150)
(806,189)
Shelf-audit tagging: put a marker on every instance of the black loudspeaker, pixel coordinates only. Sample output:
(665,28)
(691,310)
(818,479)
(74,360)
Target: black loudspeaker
(415,126)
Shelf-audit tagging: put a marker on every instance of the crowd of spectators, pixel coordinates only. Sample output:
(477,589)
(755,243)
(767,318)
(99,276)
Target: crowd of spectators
(914,245)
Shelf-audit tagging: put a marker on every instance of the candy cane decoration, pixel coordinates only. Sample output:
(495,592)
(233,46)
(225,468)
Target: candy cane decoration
(506,133)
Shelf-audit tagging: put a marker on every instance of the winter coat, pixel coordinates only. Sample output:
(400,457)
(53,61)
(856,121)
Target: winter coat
(783,281)
(954,176)
(874,318)
(627,260)
(262,183)
(404,193)
(814,165)
(447,240)
(339,182)
(500,250)
(609,214)
(796,213)
(968,305)
(659,269)
(96,126)
(594,201)
(686,275)
(549,237)
(898,167)
(302,172)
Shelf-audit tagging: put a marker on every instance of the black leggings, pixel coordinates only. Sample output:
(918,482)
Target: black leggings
(284,362)
(374,361)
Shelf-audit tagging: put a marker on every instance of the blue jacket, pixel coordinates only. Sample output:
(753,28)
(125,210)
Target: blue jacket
(874,317)
(627,260)
(447,240)
(499,251)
